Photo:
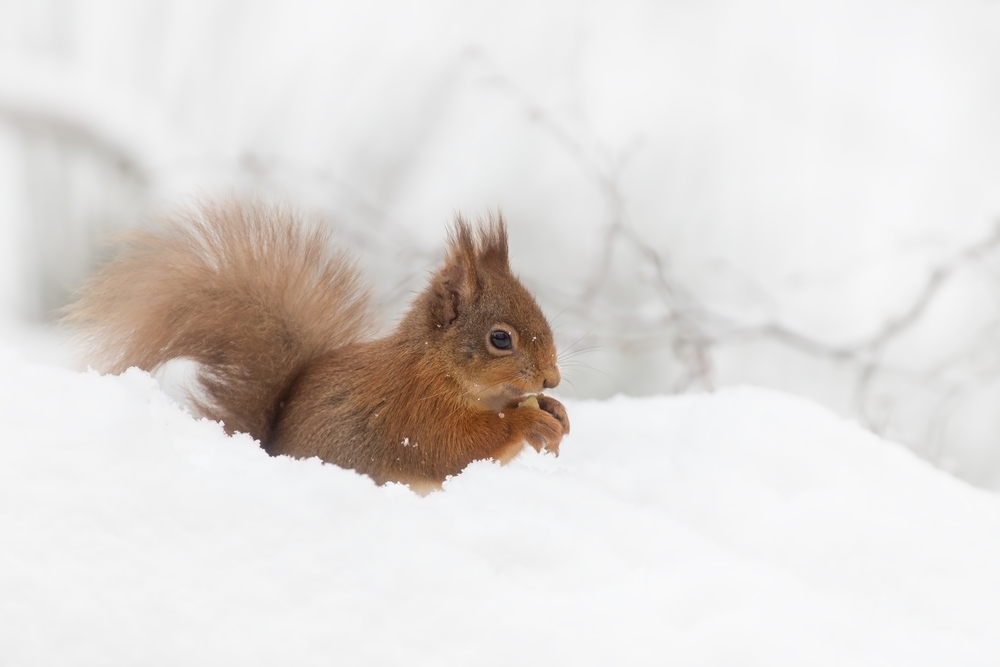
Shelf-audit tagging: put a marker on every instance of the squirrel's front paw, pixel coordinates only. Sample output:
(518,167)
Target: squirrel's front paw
(544,430)
(556,409)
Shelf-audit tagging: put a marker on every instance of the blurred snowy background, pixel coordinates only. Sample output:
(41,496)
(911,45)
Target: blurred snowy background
(804,196)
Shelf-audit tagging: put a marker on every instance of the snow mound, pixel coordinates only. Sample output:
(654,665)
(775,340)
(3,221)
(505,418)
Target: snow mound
(741,528)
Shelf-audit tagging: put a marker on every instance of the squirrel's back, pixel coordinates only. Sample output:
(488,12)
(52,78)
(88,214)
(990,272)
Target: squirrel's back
(245,288)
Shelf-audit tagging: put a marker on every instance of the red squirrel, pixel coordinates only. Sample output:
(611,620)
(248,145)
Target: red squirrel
(279,325)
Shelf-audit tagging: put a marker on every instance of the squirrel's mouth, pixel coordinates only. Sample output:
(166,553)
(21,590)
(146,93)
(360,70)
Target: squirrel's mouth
(513,392)
(504,396)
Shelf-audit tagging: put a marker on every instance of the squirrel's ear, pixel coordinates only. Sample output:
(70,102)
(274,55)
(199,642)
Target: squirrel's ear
(493,243)
(456,284)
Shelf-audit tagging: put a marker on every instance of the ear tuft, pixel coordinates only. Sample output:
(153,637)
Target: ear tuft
(461,244)
(472,253)
(493,252)
(456,284)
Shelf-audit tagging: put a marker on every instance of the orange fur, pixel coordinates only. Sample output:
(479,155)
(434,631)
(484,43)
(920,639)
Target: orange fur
(278,325)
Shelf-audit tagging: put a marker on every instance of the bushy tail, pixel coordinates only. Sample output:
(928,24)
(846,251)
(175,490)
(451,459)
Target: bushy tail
(243,288)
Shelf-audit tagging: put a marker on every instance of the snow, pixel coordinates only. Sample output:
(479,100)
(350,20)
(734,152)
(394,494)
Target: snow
(744,527)
(808,165)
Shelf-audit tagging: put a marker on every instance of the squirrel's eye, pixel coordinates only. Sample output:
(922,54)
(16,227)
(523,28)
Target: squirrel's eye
(500,339)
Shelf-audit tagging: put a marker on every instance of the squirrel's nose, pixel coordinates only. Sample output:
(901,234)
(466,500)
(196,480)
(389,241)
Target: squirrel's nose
(551,378)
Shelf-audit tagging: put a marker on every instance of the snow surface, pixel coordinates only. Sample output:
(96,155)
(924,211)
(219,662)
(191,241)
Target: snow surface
(744,527)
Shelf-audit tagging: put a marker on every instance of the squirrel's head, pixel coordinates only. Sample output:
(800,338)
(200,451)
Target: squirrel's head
(485,325)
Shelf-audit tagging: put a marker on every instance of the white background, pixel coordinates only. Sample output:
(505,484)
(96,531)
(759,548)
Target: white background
(701,194)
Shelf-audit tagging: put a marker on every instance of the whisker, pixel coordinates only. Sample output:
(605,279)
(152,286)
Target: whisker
(574,344)
(576,353)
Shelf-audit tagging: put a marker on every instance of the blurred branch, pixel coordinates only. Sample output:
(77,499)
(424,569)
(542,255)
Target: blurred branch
(895,326)
(688,338)
(689,328)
